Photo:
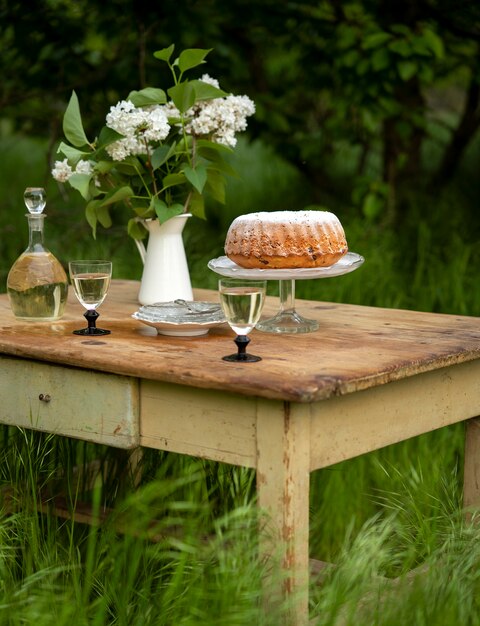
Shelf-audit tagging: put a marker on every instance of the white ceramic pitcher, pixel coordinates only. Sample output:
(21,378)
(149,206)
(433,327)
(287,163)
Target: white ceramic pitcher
(165,271)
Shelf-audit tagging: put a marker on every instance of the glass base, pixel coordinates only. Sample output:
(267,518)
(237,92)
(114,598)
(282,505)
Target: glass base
(242,341)
(91,316)
(287,322)
(242,358)
(91,331)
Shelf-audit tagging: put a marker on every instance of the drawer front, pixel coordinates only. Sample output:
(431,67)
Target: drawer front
(87,405)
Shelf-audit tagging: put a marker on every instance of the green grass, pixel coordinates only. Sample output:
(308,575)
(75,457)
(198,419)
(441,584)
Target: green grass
(376,516)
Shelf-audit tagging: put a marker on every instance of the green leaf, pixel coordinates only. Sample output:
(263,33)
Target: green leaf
(205,91)
(215,185)
(172,180)
(91,215)
(183,96)
(81,182)
(347,36)
(103,167)
(73,154)
(434,42)
(96,213)
(176,209)
(103,216)
(144,211)
(375,40)
(191,58)
(129,166)
(147,96)
(165,53)
(161,154)
(107,136)
(72,123)
(380,59)
(401,47)
(420,47)
(136,229)
(197,177)
(219,147)
(216,159)
(407,69)
(116,195)
(197,205)
(216,162)
(165,212)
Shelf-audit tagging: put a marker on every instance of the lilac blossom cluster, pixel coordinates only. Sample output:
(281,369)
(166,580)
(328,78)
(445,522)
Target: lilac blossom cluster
(139,127)
(63,170)
(217,119)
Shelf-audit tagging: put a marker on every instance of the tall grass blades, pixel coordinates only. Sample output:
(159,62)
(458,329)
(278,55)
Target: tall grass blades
(444,591)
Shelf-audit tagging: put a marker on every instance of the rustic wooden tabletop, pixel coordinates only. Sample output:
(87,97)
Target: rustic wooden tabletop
(356,347)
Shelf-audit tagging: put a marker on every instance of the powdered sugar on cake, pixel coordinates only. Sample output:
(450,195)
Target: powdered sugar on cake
(291,217)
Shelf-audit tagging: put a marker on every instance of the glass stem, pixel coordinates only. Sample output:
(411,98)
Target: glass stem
(287,295)
(91,317)
(242,341)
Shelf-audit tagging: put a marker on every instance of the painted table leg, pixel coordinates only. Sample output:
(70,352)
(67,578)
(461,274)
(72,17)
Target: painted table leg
(471,480)
(283,477)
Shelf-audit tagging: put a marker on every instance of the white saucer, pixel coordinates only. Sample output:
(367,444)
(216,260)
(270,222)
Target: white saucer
(181,319)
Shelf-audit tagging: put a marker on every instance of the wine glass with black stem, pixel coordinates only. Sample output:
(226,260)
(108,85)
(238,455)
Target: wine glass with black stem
(91,280)
(242,303)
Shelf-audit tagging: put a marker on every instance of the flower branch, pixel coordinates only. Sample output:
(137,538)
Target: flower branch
(159,151)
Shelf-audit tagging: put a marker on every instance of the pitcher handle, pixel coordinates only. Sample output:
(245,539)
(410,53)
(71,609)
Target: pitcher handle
(141,249)
(139,243)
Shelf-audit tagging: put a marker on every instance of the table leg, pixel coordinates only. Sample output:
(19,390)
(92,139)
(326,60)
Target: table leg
(283,480)
(471,475)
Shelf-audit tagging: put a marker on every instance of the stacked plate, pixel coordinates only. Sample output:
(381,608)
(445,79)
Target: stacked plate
(181,318)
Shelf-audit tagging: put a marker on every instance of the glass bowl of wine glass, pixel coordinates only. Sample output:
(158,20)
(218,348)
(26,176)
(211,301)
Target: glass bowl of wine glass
(242,303)
(91,280)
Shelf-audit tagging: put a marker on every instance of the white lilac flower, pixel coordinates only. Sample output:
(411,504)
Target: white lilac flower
(210,81)
(156,123)
(139,126)
(220,118)
(83,167)
(171,110)
(123,148)
(123,117)
(242,108)
(62,171)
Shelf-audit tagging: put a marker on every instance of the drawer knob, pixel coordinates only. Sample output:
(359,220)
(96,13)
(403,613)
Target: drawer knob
(44,397)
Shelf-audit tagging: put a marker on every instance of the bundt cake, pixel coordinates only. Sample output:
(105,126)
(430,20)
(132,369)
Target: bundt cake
(286,240)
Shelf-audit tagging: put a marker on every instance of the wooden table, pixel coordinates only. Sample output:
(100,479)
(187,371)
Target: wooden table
(367,378)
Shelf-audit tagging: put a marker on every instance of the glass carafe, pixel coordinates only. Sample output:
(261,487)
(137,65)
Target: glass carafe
(37,284)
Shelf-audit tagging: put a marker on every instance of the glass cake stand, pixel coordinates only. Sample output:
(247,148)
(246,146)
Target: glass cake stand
(287,320)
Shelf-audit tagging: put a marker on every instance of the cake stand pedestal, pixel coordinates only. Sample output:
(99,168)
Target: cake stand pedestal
(287,320)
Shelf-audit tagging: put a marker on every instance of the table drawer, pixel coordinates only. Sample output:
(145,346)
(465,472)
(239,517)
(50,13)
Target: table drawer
(69,401)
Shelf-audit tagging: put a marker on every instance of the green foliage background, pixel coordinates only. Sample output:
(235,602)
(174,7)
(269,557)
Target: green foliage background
(368,100)
(367,108)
